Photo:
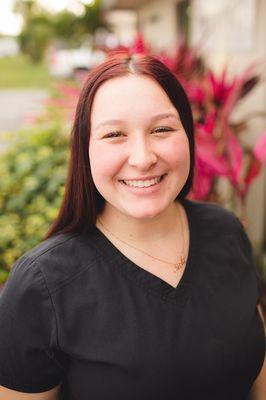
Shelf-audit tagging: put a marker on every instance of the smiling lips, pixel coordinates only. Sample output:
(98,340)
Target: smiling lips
(143,183)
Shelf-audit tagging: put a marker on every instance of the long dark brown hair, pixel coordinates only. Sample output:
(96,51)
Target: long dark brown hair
(82,201)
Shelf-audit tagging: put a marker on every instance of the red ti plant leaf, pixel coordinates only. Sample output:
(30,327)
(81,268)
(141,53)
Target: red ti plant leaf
(259,150)
(235,157)
(248,85)
(207,153)
(237,91)
(196,94)
(202,182)
(253,170)
(139,46)
(220,88)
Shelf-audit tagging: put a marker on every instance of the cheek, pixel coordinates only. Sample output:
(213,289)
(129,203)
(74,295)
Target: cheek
(105,162)
(176,152)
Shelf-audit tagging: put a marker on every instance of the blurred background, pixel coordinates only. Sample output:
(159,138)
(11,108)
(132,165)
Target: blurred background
(47,48)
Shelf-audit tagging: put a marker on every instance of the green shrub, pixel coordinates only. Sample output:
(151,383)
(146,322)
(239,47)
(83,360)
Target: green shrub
(32,179)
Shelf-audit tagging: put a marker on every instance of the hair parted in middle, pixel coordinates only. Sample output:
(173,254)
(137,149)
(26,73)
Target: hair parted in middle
(82,202)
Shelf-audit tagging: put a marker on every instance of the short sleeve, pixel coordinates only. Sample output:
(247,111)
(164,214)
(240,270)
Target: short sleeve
(248,253)
(30,360)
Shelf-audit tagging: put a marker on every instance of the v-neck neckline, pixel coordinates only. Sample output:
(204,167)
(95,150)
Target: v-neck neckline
(144,278)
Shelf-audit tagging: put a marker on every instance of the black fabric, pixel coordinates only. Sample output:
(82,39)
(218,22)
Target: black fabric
(76,311)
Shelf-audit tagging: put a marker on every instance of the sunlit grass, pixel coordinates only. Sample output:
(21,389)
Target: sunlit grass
(19,72)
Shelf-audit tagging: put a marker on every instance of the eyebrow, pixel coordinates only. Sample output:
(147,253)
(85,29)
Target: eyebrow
(153,118)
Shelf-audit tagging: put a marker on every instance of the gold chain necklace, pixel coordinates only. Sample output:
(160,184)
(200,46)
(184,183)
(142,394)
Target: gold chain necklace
(177,265)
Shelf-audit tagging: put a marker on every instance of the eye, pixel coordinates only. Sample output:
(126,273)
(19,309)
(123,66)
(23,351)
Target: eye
(162,129)
(113,135)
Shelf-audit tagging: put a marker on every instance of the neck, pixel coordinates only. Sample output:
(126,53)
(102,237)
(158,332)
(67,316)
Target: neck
(136,230)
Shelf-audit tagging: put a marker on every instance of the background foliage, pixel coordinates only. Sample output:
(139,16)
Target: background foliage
(17,72)
(42,28)
(32,177)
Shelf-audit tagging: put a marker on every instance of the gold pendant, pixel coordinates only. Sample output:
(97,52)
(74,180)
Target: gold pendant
(180,263)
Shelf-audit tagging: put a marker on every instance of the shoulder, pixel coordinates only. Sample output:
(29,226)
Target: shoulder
(225,244)
(57,259)
(213,217)
(219,228)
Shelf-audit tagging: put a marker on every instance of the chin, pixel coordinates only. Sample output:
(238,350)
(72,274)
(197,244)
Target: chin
(145,213)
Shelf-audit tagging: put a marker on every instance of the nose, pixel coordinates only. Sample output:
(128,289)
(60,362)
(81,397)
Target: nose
(141,154)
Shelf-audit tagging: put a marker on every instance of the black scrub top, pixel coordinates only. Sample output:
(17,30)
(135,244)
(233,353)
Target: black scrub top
(76,311)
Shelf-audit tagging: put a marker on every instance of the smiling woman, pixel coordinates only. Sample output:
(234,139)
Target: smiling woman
(135,285)
(139,165)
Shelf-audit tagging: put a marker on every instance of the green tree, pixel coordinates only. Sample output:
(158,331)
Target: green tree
(73,29)
(36,36)
(64,24)
(92,18)
(41,27)
(26,8)
(37,31)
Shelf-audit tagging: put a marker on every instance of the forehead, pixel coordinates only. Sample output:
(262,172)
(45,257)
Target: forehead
(129,95)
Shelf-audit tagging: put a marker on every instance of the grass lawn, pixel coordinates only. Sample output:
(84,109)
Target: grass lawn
(18,72)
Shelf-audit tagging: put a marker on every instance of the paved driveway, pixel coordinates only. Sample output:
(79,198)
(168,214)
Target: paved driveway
(16,107)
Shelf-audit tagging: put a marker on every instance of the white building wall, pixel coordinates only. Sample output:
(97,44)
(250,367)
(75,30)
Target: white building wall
(157,21)
(123,24)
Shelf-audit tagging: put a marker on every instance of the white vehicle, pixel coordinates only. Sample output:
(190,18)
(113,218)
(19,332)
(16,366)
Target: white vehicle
(69,63)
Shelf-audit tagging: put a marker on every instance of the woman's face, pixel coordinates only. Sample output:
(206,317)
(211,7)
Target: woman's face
(139,158)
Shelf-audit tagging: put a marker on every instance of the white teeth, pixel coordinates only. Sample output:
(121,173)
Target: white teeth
(143,183)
